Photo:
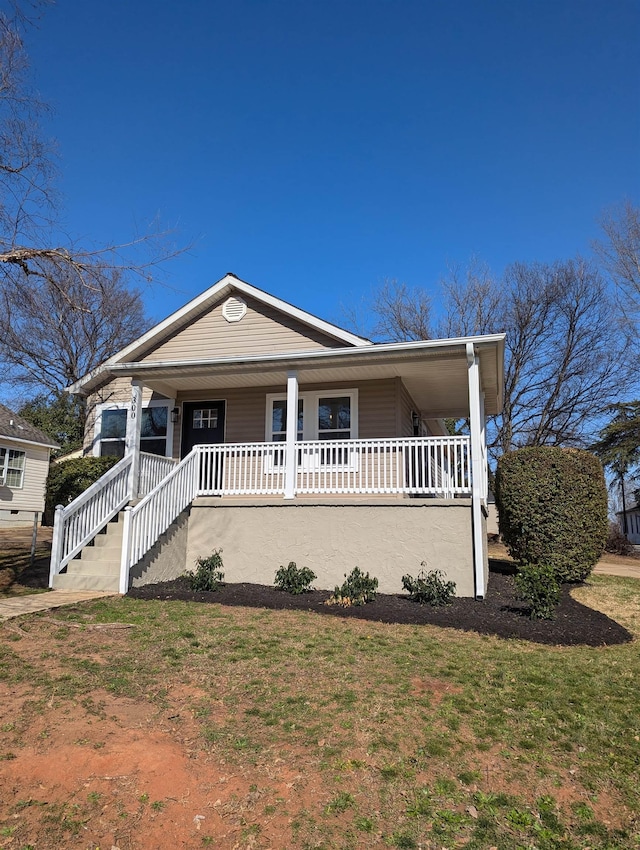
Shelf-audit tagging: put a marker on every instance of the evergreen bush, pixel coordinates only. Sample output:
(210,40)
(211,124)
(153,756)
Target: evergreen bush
(536,584)
(69,478)
(293,579)
(552,504)
(429,588)
(357,589)
(208,574)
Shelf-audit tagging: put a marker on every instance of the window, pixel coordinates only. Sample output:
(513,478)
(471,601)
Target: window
(12,467)
(322,415)
(205,418)
(279,420)
(111,430)
(334,418)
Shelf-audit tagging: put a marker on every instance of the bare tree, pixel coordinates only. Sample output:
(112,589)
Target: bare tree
(565,357)
(47,344)
(29,242)
(620,254)
(473,301)
(402,313)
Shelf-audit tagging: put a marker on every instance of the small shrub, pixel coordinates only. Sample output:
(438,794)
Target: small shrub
(429,588)
(208,574)
(536,585)
(358,589)
(294,579)
(617,543)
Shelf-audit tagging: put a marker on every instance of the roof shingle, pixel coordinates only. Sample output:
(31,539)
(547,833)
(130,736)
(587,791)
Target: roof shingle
(12,425)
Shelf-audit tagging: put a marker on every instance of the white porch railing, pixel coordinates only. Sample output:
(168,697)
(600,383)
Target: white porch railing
(242,469)
(78,523)
(430,466)
(153,468)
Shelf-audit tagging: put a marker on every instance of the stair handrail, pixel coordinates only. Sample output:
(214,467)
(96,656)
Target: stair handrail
(77,523)
(152,516)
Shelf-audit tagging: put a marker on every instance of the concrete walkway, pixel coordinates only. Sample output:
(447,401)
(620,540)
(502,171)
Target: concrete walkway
(16,606)
(603,568)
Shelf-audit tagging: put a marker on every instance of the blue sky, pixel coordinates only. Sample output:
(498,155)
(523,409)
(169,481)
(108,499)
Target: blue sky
(316,148)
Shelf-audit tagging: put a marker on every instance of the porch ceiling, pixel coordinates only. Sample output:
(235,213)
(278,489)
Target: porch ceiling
(434,372)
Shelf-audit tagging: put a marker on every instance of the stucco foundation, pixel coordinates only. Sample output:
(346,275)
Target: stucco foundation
(167,559)
(387,539)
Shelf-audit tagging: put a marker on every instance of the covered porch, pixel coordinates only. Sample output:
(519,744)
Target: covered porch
(363,448)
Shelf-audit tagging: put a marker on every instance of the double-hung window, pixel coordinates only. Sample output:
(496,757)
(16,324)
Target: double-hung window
(12,462)
(111,430)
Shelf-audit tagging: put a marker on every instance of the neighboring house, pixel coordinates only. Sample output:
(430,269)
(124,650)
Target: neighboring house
(247,424)
(633,524)
(24,466)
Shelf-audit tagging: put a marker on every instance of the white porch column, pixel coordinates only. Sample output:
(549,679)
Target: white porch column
(477,467)
(132,437)
(483,444)
(291,455)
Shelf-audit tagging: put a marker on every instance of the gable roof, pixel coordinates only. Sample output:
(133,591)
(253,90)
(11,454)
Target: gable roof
(199,305)
(14,427)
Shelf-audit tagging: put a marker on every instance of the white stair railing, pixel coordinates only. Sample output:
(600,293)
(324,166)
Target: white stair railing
(152,516)
(78,523)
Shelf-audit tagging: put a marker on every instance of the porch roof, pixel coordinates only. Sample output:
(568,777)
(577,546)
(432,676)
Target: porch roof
(434,371)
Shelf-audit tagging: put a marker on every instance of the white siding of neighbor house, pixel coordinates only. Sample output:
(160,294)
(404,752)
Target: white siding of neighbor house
(263,330)
(30,497)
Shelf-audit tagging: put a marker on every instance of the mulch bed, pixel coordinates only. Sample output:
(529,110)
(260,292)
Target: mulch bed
(500,613)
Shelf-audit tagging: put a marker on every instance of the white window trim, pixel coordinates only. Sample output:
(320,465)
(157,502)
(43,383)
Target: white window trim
(124,405)
(310,402)
(4,468)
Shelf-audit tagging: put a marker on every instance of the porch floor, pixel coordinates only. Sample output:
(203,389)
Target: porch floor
(307,499)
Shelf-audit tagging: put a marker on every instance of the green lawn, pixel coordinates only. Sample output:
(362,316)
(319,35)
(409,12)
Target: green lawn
(411,737)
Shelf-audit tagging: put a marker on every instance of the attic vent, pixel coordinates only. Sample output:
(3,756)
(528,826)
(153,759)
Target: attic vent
(234,309)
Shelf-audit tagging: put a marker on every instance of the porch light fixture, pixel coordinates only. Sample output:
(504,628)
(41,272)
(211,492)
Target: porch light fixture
(175,413)
(415,420)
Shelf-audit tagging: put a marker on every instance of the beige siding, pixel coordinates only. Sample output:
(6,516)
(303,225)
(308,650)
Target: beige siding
(263,330)
(246,410)
(30,497)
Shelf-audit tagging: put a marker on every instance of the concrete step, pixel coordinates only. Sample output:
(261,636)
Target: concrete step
(80,566)
(102,553)
(111,538)
(64,581)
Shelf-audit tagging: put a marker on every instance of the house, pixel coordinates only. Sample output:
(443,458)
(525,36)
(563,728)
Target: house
(633,523)
(24,466)
(246,424)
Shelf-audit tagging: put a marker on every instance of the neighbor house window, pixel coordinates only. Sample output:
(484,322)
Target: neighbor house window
(12,467)
(111,430)
(325,415)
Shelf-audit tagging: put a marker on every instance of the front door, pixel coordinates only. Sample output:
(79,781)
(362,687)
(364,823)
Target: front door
(202,424)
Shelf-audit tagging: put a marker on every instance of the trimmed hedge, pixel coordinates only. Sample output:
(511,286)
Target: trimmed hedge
(69,478)
(552,504)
